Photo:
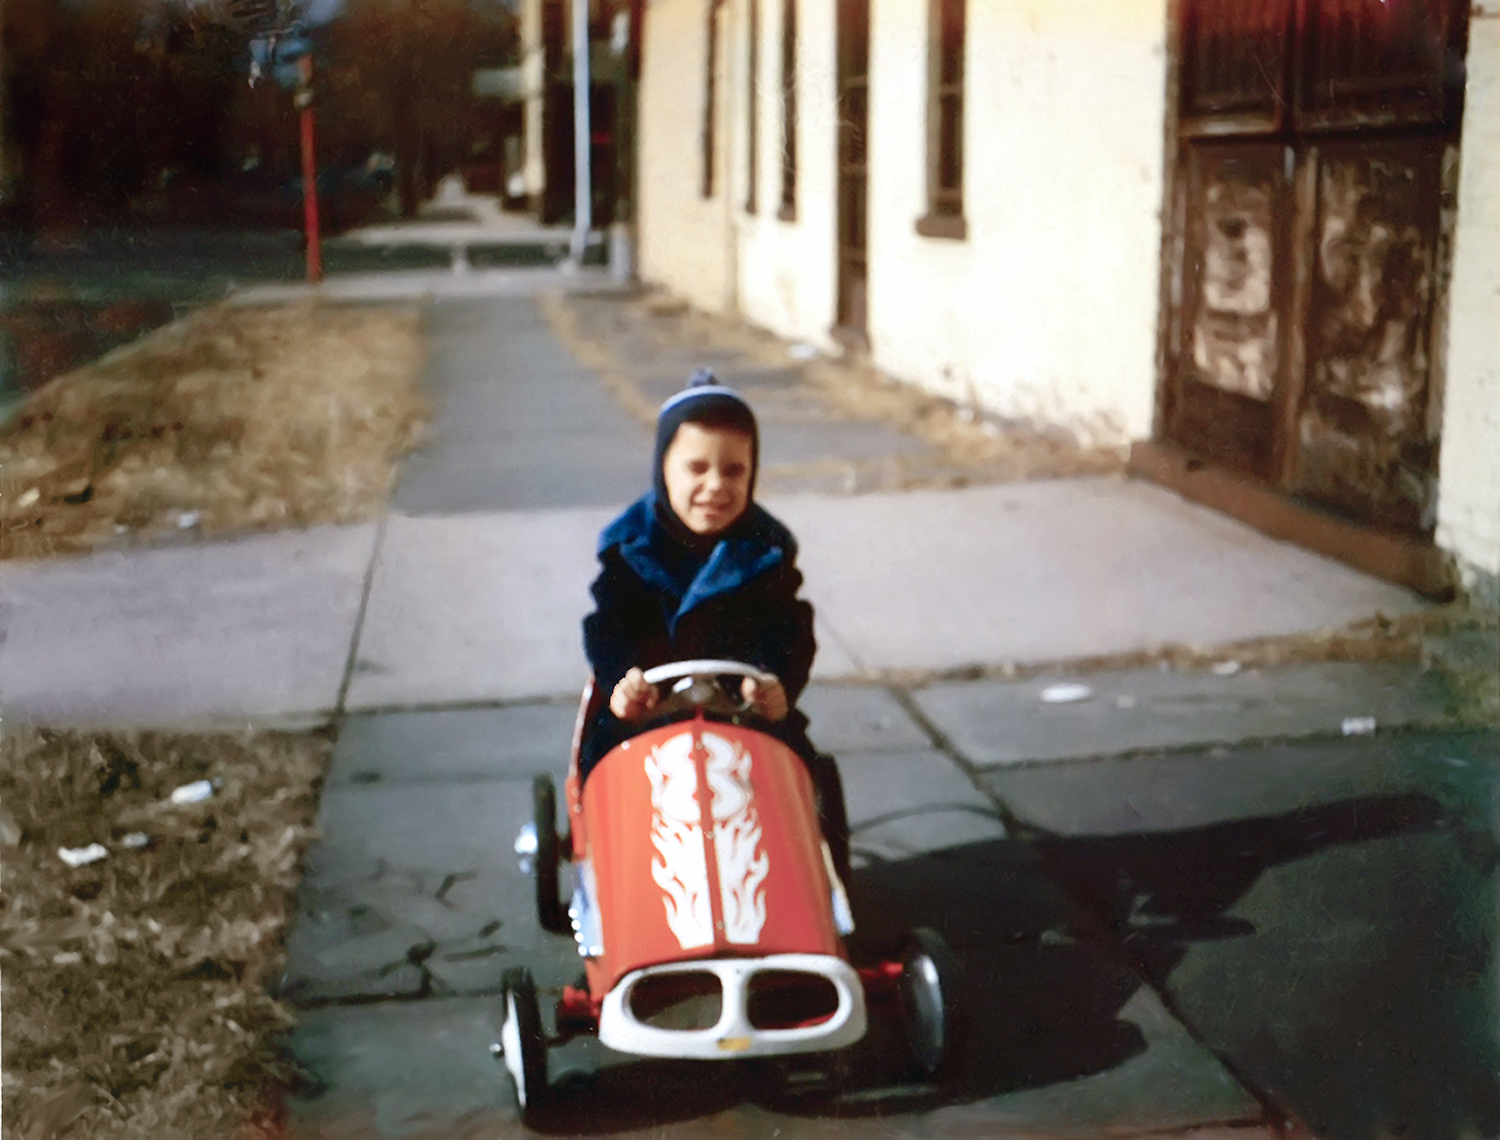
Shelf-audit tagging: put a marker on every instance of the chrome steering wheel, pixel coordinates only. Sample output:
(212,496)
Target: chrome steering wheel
(697,684)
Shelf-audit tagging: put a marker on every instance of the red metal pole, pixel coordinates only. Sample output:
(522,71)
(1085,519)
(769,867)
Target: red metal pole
(309,171)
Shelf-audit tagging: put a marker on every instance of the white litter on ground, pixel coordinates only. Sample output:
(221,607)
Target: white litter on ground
(1066,693)
(81,856)
(196,792)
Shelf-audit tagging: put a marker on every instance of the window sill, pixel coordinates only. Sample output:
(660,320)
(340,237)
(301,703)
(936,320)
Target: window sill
(952,226)
(787,214)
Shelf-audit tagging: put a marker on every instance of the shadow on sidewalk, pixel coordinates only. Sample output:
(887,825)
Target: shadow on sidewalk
(1353,981)
(1337,960)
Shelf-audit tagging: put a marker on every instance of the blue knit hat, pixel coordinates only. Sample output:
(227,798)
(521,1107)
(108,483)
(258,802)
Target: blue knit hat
(704,401)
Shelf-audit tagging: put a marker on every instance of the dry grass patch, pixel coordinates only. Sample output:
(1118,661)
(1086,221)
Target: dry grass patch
(232,419)
(135,985)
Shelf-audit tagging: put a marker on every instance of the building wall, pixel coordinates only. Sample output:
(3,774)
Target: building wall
(684,237)
(1469,462)
(533,73)
(1047,311)
(787,268)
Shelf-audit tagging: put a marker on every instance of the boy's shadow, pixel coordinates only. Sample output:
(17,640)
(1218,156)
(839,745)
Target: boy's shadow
(1053,936)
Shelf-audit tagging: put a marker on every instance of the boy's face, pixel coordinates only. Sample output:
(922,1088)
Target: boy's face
(707,473)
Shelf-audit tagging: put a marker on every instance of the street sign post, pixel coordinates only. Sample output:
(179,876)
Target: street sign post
(304,103)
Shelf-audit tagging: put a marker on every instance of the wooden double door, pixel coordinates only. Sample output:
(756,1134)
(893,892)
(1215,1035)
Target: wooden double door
(853,111)
(1310,232)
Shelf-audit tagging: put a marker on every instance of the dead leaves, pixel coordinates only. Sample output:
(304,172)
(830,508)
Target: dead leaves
(233,418)
(136,987)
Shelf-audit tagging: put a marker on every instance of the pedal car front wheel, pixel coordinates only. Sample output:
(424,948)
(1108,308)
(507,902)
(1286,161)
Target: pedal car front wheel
(521,1042)
(930,1012)
(549,911)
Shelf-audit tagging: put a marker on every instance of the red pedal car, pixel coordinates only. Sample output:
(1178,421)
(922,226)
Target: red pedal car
(707,906)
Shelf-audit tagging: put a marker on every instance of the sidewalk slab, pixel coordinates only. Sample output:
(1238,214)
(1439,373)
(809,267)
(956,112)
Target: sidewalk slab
(520,423)
(477,608)
(487,606)
(411,284)
(1007,722)
(861,719)
(256,629)
(1305,907)
(1128,795)
(1038,572)
(454,745)
(402,1068)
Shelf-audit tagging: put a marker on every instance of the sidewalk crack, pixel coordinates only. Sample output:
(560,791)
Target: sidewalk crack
(350,661)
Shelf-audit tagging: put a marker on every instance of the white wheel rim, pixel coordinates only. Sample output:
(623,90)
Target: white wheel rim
(929,1028)
(510,1043)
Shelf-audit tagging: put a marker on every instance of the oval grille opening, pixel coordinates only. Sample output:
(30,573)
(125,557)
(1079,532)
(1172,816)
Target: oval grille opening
(786,999)
(690,1000)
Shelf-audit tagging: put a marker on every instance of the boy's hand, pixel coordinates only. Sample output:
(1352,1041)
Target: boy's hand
(769,699)
(633,698)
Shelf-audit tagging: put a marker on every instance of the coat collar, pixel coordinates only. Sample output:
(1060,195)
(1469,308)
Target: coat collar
(756,544)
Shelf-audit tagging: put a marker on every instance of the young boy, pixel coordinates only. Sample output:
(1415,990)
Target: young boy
(696,569)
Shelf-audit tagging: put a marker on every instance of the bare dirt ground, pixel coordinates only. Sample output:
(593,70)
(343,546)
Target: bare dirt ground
(135,985)
(232,419)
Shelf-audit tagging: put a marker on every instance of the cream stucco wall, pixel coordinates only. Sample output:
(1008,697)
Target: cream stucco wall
(778,272)
(787,267)
(1469,463)
(532,83)
(684,237)
(1047,311)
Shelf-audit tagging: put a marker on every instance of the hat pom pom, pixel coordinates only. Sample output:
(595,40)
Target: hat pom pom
(703,378)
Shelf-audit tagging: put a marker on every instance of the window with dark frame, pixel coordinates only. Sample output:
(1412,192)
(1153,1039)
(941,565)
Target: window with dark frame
(945,120)
(752,101)
(710,97)
(788,210)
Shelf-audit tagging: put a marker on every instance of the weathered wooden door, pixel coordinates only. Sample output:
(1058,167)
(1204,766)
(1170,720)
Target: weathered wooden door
(852,108)
(1312,212)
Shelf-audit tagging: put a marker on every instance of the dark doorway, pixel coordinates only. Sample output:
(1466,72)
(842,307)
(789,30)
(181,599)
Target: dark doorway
(853,187)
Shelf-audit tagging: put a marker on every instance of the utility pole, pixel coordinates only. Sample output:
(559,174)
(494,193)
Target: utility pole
(583,179)
(304,104)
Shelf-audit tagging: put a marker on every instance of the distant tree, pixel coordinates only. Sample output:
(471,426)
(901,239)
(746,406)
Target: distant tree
(102,98)
(399,77)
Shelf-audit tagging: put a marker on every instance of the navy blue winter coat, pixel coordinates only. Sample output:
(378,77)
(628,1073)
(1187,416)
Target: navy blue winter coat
(658,600)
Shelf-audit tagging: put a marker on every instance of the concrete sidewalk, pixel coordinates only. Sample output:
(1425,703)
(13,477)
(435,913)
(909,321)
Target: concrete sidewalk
(485,607)
(472,592)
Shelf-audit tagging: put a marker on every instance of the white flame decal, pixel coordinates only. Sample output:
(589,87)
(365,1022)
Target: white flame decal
(743,863)
(677,835)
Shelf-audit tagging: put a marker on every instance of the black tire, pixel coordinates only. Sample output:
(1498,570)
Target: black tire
(550,912)
(931,1016)
(833,817)
(529,1070)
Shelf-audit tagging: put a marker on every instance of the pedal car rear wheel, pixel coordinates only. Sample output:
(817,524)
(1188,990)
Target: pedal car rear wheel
(833,817)
(549,911)
(929,1000)
(521,1041)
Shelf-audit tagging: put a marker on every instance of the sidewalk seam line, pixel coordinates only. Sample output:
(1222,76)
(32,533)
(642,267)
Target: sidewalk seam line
(1272,1110)
(1015,827)
(378,548)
